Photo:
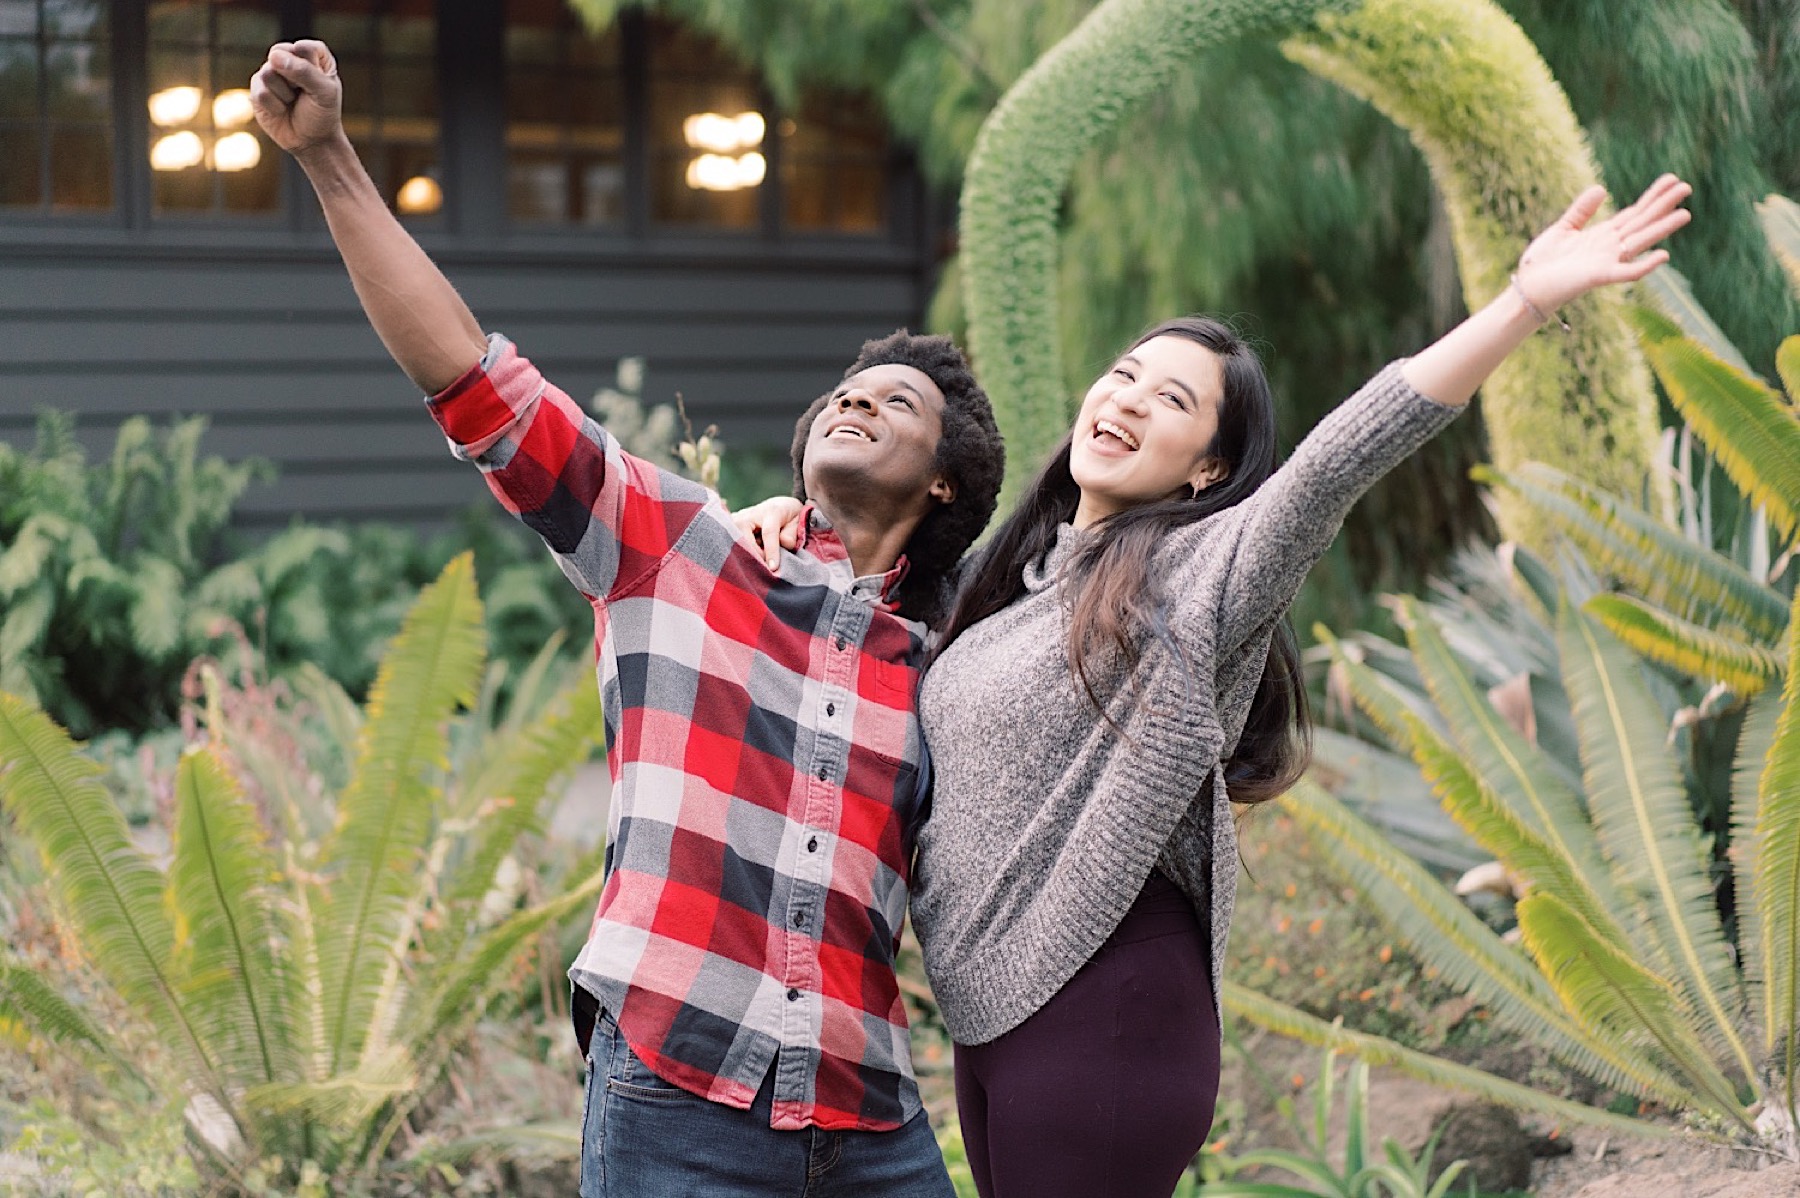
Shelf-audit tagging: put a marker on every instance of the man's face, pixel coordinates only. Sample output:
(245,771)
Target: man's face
(878,436)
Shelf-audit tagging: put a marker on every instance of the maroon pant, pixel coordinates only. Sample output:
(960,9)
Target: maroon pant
(1106,1091)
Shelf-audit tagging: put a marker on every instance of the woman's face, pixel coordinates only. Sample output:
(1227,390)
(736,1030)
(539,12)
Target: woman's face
(1146,427)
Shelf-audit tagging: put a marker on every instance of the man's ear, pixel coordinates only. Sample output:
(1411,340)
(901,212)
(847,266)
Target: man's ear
(943,489)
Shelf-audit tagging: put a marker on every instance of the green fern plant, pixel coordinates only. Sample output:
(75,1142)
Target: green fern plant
(1629,975)
(312,991)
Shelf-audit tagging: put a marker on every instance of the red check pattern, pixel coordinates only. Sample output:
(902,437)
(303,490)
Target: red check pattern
(766,763)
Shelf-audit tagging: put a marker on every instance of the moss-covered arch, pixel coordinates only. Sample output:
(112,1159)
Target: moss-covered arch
(1458,76)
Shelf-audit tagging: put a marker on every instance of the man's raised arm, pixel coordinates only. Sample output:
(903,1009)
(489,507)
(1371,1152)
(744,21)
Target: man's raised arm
(416,312)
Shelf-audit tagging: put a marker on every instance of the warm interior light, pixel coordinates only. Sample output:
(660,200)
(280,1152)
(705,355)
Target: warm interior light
(236,152)
(721,172)
(175,105)
(419,196)
(232,108)
(178,151)
(719,134)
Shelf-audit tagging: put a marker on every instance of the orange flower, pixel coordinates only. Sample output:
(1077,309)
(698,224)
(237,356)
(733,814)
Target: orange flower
(1387,953)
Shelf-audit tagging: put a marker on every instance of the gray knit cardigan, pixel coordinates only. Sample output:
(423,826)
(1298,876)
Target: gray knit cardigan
(1046,821)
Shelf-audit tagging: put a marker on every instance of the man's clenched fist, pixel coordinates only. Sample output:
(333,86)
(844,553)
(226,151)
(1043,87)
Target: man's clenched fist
(297,96)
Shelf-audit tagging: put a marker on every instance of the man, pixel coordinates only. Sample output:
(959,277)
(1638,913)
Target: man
(747,1035)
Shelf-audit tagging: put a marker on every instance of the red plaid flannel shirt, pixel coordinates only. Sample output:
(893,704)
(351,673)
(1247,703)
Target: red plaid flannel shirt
(765,758)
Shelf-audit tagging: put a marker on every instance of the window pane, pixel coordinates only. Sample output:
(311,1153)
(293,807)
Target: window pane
(18,79)
(76,18)
(179,22)
(19,181)
(18,17)
(207,153)
(834,165)
(81,167)
(565,123)
(80,77)
(387,58)
(707,132)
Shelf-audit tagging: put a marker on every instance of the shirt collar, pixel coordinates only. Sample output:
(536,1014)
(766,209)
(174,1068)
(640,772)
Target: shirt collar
(818,538)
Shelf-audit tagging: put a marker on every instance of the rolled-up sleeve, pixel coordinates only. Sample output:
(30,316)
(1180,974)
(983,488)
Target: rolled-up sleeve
(606,516)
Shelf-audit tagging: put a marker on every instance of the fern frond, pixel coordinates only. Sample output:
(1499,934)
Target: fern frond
(1694,650)
(1385,703)
(1647,828)
(107,886)
(220,880)
(156,606)
(1780,218)
(1655,561)
(1787,365)
(555,1140)
(1278,1017)
(1777,891)
(345,1102)
(27,998)
(506,799)
(1674,301)
(1756,740)
(464,990)
(1499,828)
(1445,934)
(1510,767)
(1615,996)
(1754,435)
(385,815)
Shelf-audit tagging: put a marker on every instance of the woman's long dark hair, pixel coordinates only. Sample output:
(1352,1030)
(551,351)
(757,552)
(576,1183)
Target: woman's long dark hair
(1112,598)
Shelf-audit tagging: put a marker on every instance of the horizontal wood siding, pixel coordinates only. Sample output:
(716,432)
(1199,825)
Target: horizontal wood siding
(277,354)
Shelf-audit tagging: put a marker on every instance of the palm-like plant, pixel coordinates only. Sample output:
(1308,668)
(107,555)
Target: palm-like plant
(1632,973)
(310,990)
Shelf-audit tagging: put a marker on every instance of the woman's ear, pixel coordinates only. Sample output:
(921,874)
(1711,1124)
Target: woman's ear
(1211,470)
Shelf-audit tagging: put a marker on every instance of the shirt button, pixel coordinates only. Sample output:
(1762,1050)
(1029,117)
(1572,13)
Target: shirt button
(841,643)
(793,996)
(824,774)
(831,709)
(799,919)
(812,845)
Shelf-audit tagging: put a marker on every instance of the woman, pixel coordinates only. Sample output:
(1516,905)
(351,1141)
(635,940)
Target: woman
(1115,672)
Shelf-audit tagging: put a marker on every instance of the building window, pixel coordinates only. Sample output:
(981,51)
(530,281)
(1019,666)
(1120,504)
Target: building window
(207,154)
(834,166)
(565,118)
(387,57)
(56,137)
(706,135)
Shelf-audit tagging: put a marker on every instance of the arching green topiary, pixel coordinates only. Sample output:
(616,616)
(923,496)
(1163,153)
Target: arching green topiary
(1460,78)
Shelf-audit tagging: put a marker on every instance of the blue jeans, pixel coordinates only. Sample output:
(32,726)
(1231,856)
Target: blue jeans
(644,1138)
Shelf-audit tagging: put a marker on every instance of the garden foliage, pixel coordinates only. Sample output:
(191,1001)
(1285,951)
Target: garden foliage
(1635,972)
(1460,78)
(115,576)
(311,959)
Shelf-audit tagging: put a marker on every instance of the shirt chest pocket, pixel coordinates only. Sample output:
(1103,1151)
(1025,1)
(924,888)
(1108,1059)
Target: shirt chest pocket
(887,684)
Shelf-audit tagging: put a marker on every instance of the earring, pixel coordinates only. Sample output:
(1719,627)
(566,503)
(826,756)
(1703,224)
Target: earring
(1194,490)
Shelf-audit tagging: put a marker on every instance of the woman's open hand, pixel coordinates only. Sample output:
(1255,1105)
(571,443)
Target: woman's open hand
(771,526)
(1573,257)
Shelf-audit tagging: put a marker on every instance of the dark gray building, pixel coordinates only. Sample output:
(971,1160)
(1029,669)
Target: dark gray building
(631,194)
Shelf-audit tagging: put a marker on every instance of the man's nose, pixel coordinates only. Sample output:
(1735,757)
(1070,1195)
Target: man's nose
(856,399)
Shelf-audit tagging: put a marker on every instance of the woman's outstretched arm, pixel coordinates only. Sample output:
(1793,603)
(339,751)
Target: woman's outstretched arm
(1569,258)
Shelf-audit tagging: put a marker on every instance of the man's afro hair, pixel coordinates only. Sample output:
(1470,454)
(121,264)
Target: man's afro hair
(970,452)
